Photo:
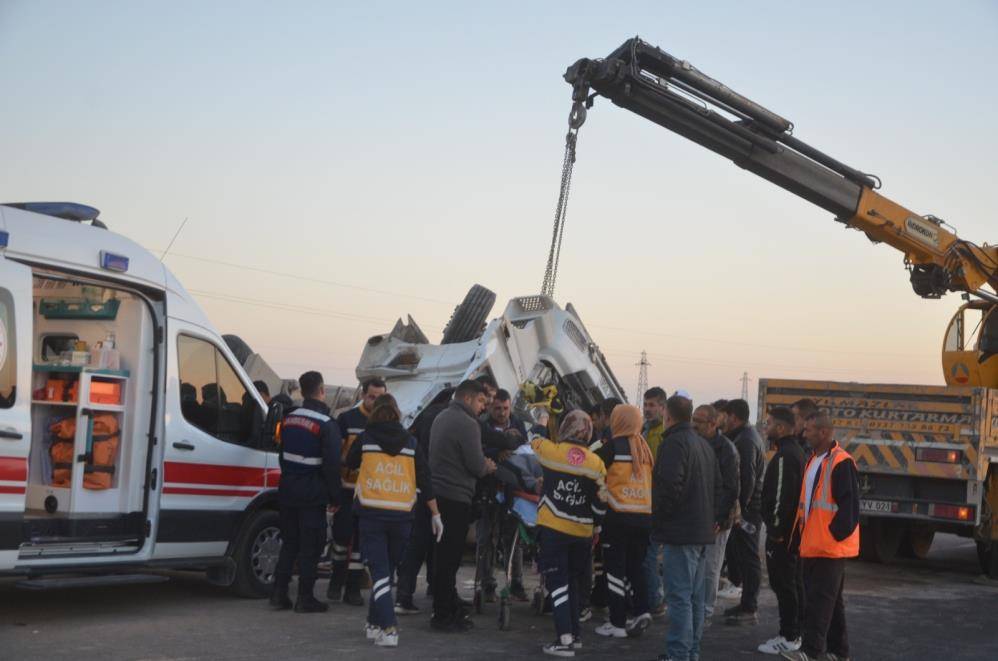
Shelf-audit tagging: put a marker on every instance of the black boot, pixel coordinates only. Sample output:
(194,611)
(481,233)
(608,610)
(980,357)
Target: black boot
(334,592)
(352,596)
(307,603)
(279,599)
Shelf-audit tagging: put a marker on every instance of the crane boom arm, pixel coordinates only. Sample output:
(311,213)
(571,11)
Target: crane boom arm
(674,94)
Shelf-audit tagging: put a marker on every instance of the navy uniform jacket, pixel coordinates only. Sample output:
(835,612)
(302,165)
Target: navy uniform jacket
(310,457)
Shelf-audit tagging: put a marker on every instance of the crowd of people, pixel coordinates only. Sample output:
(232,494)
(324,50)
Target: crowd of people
(640,513)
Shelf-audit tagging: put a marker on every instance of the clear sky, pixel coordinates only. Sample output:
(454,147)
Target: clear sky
(389,155)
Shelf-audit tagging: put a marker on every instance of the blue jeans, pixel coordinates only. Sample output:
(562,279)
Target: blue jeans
(684,592)
(652,570)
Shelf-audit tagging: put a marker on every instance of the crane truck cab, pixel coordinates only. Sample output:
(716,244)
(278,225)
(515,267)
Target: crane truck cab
(970,347)
(130,436)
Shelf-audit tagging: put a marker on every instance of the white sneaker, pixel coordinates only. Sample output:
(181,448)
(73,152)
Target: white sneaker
(609,631)
(388,638)
(372,631)
(730,592)
(637,625)
(779,645)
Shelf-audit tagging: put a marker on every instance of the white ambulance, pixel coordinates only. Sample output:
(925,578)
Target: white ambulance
(130,437)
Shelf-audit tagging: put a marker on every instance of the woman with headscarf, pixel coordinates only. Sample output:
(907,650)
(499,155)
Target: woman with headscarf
(571,505)
(624,536)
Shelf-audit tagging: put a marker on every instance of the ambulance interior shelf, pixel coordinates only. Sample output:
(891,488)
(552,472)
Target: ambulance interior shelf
(78,418)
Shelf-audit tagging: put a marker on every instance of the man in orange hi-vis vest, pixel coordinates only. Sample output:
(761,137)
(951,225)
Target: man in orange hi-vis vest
(828,528)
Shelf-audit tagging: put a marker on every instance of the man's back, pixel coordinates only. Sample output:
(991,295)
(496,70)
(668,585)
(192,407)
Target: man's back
(752,465)
(685,486)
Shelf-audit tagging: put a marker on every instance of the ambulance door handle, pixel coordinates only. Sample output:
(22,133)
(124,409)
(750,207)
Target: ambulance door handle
(12,435)
(183,445)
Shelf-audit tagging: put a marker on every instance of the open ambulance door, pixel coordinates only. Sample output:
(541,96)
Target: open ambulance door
(15,404)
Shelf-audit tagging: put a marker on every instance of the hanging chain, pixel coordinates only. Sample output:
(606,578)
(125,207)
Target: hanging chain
(575,120)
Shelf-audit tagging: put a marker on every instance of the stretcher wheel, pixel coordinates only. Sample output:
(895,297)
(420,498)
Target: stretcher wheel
(477,601)
(537,603)
(505,611)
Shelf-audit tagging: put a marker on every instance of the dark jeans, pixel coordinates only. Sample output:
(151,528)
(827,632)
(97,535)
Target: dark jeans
(345,549)
(824,610)
(562,560)
(783,567)
(624,552)
(447,556)
(746,556)
(598,596)
(419,550)
(382,544)
(303,536)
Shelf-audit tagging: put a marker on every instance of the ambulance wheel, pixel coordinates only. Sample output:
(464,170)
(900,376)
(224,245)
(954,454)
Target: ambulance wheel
(504,614)
(256,553)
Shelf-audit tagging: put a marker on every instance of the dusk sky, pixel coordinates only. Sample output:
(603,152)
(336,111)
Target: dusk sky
(344,164)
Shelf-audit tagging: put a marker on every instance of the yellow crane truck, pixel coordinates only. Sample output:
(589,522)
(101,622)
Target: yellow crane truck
(927,455)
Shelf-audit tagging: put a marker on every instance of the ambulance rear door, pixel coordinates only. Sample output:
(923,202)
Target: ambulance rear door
(15,402)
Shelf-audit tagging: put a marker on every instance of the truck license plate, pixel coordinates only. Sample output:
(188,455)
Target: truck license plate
(877,506)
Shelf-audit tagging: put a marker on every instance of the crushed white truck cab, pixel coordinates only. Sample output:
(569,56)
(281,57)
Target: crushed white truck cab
(130,436)
(533,341)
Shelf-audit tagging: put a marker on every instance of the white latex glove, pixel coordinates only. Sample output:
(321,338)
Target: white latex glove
(437,524)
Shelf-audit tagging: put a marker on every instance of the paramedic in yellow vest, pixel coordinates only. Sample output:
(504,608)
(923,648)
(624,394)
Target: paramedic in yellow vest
(573,502)
(828,526)
(345,548)
(391,472)
(624,535)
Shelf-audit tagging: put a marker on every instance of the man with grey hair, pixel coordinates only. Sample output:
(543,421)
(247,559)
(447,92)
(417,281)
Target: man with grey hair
(705,419)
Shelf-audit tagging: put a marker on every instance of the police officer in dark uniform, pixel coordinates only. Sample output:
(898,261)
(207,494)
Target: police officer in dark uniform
(310,481)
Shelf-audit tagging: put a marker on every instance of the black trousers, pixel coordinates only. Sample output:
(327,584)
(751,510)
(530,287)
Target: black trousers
(624,551)
(824,610)
(785,578)
(303,537)
(447,556)
(419,550)
(745,547)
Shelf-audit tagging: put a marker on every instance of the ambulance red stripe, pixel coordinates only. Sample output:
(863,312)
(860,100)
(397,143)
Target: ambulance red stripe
(213,474)
(15,490)
(191,491)
(14,469)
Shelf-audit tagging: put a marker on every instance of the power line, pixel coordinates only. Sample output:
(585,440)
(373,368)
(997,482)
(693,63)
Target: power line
(288,307)
(303,278)
(753,344)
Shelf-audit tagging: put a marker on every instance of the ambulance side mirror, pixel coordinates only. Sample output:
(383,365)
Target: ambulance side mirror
(275,413)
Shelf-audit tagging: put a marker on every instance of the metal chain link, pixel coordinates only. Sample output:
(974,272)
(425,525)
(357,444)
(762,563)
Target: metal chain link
(575,120)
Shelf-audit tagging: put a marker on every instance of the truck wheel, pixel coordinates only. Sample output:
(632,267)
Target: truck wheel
(256,553)
(916,542)
(988,557)
(879,540)
(469,317)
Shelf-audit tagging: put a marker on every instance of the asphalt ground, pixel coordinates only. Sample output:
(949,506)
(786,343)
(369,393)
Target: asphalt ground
(938,608)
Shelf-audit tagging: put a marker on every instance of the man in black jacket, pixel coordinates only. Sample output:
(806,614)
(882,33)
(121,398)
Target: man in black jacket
(686,490)
(705,422)
(420,547)
(745,535)
(780,495)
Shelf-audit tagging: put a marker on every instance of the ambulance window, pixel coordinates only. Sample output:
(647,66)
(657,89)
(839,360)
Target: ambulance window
(211,395)
(8,355)
(235,418)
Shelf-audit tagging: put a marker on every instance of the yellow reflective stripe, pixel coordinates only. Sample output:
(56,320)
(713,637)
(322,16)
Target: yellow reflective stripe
(569,468)
(624,507)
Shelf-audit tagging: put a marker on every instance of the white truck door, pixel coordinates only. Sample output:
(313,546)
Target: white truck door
(15,403)
(212,465)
